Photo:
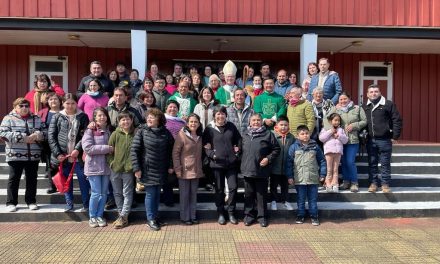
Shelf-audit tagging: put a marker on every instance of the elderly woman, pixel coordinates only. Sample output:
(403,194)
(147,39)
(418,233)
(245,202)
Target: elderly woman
(151,166)
(23,132)
(187,161)
(299,111)
(93,98)
(353,119)
(317,104)
(214,82)
(260,148)
(37,96)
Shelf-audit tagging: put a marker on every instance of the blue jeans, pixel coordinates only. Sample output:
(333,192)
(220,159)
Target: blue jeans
(84,185)
(348,160)
(379,150)
(152,200)
(99,187)
(310,192)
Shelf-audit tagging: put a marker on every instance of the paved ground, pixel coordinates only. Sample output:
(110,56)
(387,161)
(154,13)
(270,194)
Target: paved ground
(399,240)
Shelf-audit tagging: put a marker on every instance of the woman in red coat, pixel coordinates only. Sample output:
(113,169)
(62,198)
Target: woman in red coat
(37,96)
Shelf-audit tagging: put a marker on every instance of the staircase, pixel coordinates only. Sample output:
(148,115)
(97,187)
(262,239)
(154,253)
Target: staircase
(415,193)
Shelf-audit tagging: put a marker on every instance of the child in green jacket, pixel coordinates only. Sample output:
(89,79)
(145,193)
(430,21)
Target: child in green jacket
(120,163)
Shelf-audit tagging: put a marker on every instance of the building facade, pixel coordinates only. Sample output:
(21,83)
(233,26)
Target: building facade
(390,42)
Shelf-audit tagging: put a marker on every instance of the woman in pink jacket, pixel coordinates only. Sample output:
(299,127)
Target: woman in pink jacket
(93,98)
(334,140)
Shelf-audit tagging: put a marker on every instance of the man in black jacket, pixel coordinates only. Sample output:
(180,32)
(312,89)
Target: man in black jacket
(95,72)
(384,127)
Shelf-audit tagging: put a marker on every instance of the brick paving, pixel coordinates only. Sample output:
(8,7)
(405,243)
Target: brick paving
(398,240)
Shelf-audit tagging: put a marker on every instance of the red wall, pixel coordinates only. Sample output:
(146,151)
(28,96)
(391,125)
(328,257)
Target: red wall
(413,13)
(415,77)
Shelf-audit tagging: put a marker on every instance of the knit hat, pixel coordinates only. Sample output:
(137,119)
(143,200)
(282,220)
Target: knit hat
(229,68)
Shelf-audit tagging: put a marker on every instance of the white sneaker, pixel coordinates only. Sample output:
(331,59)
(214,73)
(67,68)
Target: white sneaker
(273,206)
(33,206)
(11,208)
(288,206)
(101,221)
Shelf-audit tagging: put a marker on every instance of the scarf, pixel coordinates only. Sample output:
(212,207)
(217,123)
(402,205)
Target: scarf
(317,108)
(37,98)
(174,118)
(96,94)
(255,132)
(73,131)
(294,101)
(345,108)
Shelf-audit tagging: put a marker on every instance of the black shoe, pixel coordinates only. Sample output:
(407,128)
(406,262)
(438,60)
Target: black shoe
(195,221)
(50,191)
(153,225)
(263,223)
(187,222)
(299,220)
(160,222)
(232,219)
(111,204)
(209,187)
(221,220)
(248,221)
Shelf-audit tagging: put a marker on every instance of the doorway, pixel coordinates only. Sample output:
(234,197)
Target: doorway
(380,73)
(54,66)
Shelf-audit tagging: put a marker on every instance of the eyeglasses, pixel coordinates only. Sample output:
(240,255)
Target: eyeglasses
(24,106)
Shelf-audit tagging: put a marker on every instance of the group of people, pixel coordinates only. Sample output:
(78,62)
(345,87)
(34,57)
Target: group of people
(125,135)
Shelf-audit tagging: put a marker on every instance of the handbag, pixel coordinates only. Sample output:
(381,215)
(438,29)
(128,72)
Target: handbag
(60,181)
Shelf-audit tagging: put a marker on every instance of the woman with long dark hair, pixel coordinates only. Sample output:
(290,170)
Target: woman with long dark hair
(187,161)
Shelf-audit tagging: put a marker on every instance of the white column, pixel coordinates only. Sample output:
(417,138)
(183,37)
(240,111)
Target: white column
(139,51)
(308,53)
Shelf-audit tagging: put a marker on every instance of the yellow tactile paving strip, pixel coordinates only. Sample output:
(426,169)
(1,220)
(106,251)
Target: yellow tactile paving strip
(400,240)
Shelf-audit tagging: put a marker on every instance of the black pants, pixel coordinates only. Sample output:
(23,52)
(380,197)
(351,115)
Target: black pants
(220,176)
(167,189)
(281,180)
(31,172)
(208,179)
(255,190)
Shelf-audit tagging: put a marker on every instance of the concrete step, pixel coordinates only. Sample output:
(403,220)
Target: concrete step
(207,211)
(399,194)
(404,167)
(398,180)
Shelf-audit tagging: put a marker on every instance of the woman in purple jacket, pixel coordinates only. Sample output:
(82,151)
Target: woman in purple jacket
(96,147)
